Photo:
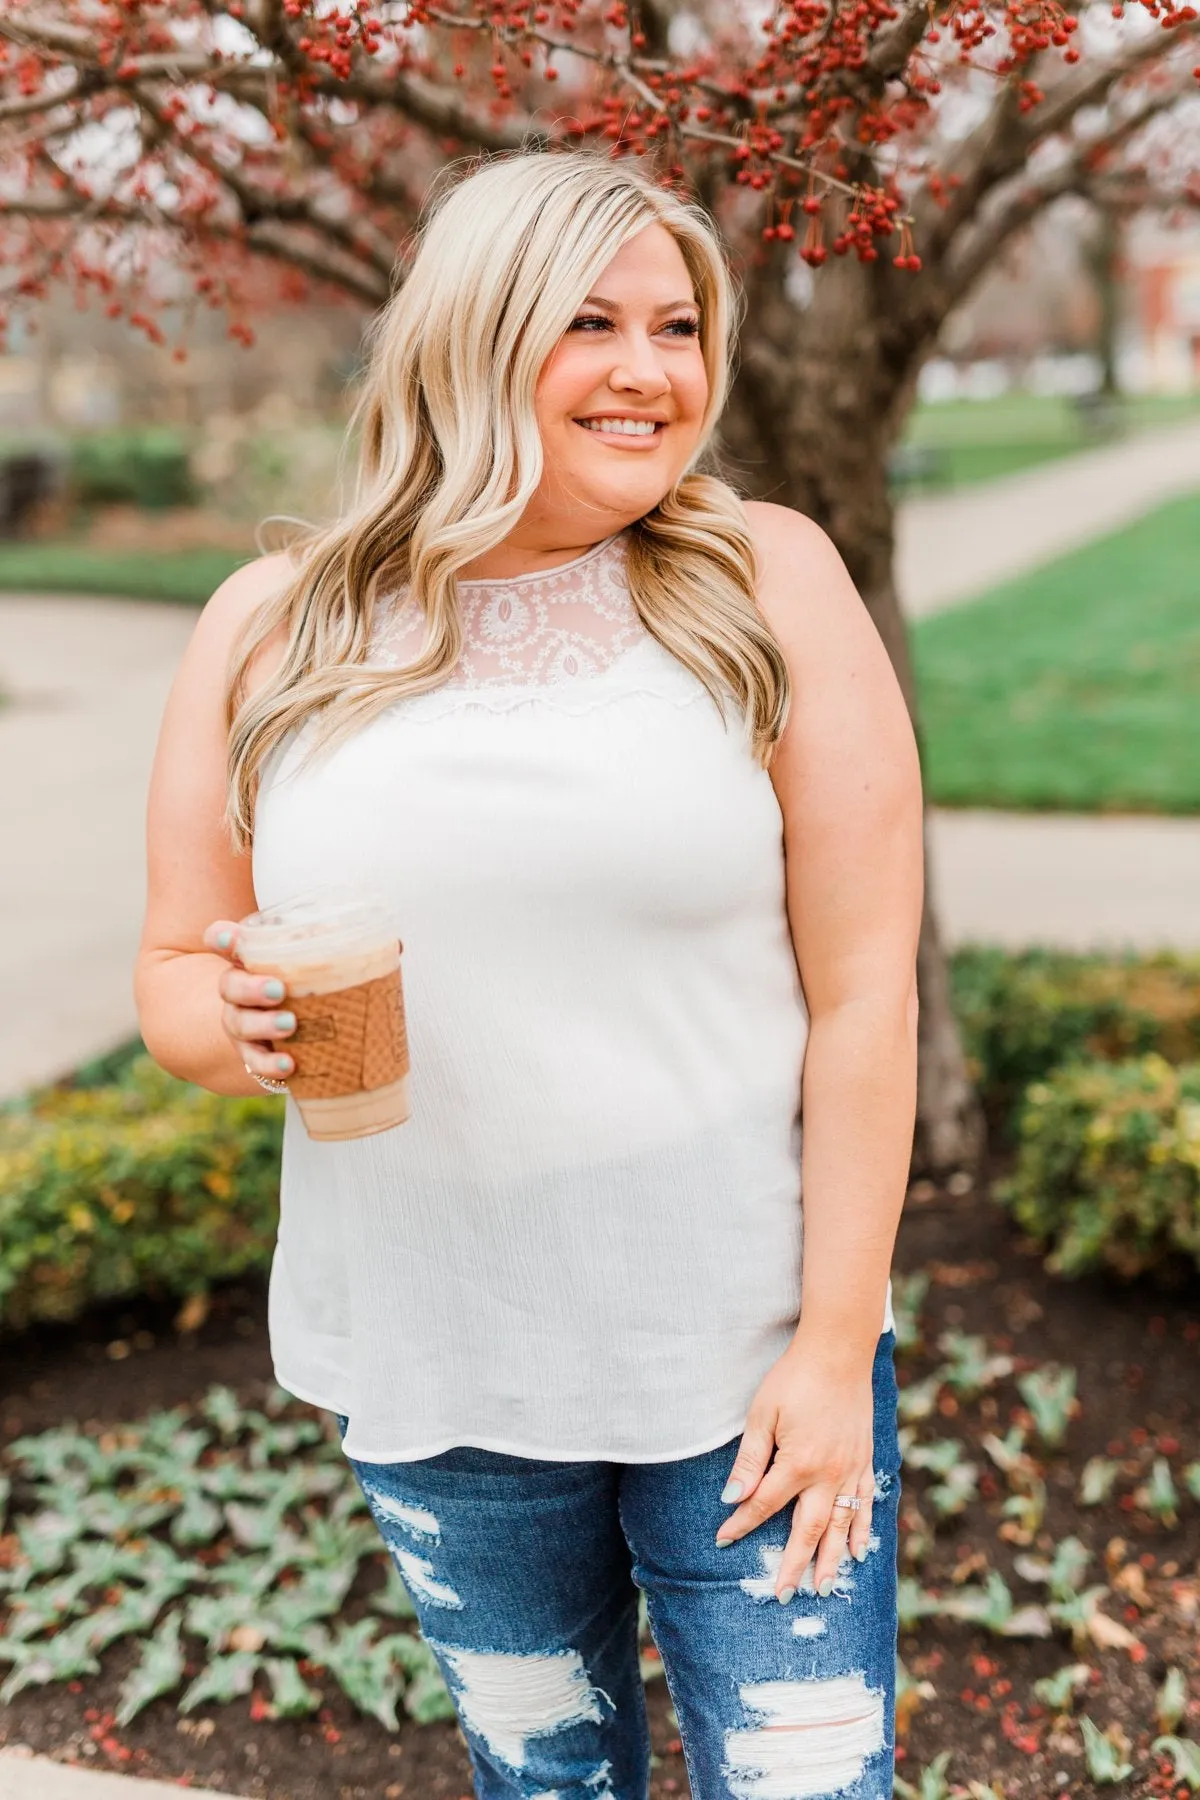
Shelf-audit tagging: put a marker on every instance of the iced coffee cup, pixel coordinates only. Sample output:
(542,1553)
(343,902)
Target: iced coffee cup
(338,956)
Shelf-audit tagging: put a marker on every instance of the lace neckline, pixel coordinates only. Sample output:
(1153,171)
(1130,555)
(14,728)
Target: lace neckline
(541,629)
(507,581)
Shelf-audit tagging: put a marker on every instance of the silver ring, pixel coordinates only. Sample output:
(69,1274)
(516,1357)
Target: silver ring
(272,1087)
(850,1500)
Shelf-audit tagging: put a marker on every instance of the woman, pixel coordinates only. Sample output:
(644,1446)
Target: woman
(629,761)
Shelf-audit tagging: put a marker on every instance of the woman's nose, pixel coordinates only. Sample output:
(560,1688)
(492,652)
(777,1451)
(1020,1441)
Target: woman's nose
(640,365)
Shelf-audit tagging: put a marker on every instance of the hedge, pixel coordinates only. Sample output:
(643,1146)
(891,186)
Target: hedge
(1108,1167)
(149,468)
(147,1185)
(1023,1015)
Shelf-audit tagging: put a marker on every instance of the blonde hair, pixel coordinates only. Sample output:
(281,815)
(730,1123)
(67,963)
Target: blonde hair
(450,456)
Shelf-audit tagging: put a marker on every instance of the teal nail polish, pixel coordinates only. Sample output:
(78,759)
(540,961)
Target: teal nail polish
(786,1594)
(825,1589)
(284,1021)
(273,989)
(731,1491)
(224,939)
(283,1064)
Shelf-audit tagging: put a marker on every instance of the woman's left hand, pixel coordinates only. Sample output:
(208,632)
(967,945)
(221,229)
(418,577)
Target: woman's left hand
(819,1422)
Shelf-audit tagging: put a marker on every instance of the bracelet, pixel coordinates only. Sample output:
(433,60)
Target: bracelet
(272,1087)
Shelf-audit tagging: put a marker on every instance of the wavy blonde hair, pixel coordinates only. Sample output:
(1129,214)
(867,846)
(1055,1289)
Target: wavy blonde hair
(449,456)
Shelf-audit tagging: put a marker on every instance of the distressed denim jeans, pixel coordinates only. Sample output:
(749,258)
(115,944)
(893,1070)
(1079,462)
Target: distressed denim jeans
(525,1576)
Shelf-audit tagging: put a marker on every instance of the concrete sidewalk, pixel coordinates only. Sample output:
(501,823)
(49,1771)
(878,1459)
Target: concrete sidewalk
(86,681)
(1071,881)
(26,1777)
(952,547)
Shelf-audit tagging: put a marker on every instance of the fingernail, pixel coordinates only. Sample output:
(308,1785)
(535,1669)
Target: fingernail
(224,939)
(731,1491)
(786,1594)
(283,1064)
(273,990)
(723,1541)
(825,1589)
(860,1555)
(284,1021)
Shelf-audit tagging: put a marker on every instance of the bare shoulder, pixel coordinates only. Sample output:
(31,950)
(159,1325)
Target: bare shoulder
(804,585)
(248,588)
(231,608)
(779,529)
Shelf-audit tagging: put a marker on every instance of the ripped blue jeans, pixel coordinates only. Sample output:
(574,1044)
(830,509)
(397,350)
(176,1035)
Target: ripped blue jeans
(525,1576)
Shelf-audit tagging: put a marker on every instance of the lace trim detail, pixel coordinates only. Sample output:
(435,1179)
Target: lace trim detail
(647,671)
(568,639)
(544,628)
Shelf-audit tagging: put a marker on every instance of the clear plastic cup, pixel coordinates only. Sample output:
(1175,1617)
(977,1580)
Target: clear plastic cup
(338,956)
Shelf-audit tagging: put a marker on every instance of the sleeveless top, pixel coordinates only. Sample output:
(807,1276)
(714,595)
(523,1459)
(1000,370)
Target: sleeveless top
(585,1241)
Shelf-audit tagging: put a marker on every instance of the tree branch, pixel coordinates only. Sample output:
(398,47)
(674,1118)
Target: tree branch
(1001,145)
(1030,198)
(259,205)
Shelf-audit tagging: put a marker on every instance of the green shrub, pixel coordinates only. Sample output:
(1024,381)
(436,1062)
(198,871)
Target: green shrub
(1024,1014)
(1108,1166)
(146,1185)
(148,468)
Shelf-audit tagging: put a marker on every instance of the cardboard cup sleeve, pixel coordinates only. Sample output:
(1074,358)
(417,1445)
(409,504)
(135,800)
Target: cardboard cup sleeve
(350,1041)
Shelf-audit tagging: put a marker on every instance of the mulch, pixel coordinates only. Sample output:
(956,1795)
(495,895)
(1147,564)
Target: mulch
(1137,1353)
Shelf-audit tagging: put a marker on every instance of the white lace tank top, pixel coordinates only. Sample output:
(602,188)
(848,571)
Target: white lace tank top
(585,1241)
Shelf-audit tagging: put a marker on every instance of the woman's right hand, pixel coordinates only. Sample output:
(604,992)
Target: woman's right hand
(252,1017)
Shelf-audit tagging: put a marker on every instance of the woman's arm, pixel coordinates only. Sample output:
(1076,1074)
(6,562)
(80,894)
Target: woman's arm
(848,780)
(847,776)
(193,876)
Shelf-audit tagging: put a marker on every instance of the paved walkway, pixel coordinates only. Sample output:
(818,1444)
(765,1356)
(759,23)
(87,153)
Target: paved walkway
(86,681)
(952,547)
(88,678)
(25,1777)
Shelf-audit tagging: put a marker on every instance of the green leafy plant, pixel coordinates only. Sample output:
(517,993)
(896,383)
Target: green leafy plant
(969,1368)
(1108,1170)
(1058,1691)
(1158,1495)
(1024,1014)
(1049,1393)
(1170,1702)
(1185,1758)
(931,1784)
(144,1185)
(1096,1480)
(1104,1755)
(908,1296)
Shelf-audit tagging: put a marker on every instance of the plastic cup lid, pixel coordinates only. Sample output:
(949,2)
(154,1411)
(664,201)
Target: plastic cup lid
(326,919)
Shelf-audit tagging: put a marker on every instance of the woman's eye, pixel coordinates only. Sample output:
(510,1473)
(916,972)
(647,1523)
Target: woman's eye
(684,327)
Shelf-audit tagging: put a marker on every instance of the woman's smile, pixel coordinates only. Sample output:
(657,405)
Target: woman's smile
(624,432)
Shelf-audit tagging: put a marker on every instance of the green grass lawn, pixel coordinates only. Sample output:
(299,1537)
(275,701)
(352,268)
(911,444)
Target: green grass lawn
(979,439)
(1076,687)
(65,568)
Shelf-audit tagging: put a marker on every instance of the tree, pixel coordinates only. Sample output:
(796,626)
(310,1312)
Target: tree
(866,161)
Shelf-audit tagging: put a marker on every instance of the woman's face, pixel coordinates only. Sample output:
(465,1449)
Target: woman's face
(632,353)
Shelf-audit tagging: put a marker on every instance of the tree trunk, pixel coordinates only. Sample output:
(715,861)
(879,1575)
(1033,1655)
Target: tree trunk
(814,412)
(1103,256)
